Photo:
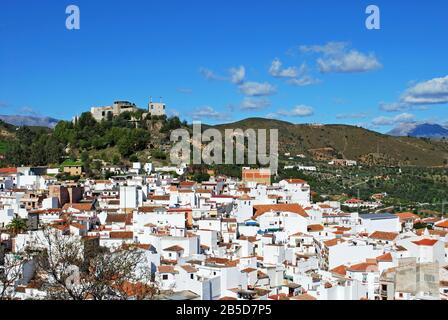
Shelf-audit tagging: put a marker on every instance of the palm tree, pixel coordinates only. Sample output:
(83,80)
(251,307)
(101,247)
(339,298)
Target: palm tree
(17,225)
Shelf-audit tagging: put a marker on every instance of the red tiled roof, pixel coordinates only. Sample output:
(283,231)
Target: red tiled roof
(407,215)
(295,208)
(425,242)
(295,181)
(315,227)
(8,170)
(167,269)
(382,235)
(121,234)
(228,298)
(78,206)
(387,257)
(333,242)
(363,267)
(174,248)
(341,270)
(442,224)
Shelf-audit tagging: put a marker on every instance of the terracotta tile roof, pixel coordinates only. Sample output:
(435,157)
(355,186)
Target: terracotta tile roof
(407,215)
(295,181)
(425,242)
(441,233)
(222,261)
(116,218)
(248,238)
(341,270)
(167,269)
(333,242)
(280,296)
(121,235)
(164,197)
(262,275)
(187,183)
(248,270)
(442,224)
(382,235)
(228,298)
(78,206)
(363,267)
(295,208)
(174,248)
(189,268)
(315,227)
(387,257)
(8,170)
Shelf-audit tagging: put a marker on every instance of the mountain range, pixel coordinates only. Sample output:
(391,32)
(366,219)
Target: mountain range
(31,121)
(422,130)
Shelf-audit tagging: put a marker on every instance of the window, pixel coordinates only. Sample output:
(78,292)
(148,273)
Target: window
(364,277)
(165,277)
(192,276)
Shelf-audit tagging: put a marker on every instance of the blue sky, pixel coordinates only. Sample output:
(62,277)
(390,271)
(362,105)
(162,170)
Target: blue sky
(219,61)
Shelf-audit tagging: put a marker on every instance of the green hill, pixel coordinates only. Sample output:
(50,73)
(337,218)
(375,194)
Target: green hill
(324,142)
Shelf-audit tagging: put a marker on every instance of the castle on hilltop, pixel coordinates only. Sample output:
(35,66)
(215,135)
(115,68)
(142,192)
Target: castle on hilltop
(119,107)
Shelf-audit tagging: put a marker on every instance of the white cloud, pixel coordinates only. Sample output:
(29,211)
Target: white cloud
(254,104)
(277,71)
(296,76)
(395,106)
(256,89)
(338,58)
(297,111)
(237,75)
(434,91)
(304,81)
(387,121)
(210,75)
(330,48)
(350,62)
(208,112)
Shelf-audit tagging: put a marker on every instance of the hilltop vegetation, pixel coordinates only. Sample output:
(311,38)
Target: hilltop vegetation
(131,136)
(113,140)
(325,142)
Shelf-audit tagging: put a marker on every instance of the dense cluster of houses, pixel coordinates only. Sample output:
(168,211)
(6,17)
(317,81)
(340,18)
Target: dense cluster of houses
(230,238)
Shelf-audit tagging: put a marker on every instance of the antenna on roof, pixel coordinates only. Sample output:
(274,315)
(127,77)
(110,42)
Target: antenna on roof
(150,99)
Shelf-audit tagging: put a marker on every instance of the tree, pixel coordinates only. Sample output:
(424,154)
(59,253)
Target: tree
(17,225)
(77,270)
(11,266)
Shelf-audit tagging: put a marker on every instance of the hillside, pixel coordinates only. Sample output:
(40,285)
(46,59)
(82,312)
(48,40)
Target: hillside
(324,142)
(119,140)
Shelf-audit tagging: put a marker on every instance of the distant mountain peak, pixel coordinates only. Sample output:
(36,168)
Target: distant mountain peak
(32,121)
(420,130)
